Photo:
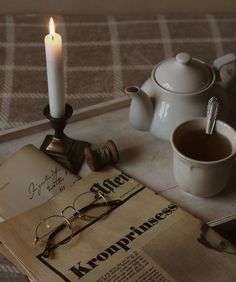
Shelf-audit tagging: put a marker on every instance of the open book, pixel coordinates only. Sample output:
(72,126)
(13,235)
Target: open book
(144,237)
(29,178)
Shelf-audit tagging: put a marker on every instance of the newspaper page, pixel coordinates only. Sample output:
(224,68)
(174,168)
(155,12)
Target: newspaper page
(29,178)
(146,238)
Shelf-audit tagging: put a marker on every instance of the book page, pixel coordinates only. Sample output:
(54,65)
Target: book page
(146,238)
(29,178)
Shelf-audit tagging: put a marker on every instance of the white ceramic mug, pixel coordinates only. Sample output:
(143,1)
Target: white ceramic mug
(202,178)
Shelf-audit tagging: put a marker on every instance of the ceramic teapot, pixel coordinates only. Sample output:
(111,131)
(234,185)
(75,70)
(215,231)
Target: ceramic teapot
(178,90)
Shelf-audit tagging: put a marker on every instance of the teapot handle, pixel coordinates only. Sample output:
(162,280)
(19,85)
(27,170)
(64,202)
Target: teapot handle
(219,63)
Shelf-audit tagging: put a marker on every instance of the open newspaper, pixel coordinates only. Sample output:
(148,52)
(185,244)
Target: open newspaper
(143,238)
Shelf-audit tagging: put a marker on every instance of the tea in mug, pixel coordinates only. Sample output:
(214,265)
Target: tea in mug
(198,145)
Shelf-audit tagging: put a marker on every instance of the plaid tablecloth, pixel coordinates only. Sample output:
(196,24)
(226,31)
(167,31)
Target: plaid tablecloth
(9,273)
(102,55)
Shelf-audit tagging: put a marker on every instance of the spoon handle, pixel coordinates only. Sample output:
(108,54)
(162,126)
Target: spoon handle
(212,112)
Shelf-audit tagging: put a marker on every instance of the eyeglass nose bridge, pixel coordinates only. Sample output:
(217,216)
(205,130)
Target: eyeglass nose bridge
(67,208)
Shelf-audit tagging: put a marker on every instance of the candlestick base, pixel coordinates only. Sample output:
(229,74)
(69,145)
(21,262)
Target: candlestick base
(65,150)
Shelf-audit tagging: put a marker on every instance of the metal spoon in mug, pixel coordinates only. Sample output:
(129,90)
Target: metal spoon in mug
(212,112)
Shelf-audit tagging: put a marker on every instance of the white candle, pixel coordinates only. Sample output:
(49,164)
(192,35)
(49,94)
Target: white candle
(53,49)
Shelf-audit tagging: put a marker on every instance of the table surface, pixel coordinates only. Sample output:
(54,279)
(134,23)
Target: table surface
(142,156)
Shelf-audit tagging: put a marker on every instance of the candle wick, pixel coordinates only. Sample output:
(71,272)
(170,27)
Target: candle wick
(52,37)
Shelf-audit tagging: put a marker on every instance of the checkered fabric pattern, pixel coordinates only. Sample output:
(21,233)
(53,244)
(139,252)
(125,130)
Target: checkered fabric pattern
(9,273)
(102,55)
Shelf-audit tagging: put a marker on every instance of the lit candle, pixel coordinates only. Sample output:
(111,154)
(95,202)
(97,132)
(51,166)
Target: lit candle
(53,49)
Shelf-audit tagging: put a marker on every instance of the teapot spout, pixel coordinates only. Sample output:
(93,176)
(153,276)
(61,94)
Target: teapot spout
(141,108)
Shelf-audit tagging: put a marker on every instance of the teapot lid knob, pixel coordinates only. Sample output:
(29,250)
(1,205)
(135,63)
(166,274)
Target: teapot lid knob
(183,58)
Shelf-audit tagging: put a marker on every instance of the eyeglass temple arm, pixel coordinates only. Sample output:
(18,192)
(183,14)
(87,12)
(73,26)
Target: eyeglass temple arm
(48,248)
(95,205)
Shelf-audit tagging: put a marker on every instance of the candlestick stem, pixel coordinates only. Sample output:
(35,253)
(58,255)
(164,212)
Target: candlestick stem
(67,151)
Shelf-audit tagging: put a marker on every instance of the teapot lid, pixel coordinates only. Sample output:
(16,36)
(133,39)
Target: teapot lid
(183,74)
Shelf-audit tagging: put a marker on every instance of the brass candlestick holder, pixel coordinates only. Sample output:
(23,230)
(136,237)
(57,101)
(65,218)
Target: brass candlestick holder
(65,150)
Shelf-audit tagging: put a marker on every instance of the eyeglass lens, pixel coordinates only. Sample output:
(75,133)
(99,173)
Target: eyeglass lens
(91,205)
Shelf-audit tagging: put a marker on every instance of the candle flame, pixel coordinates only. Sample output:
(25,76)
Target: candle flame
(51,27)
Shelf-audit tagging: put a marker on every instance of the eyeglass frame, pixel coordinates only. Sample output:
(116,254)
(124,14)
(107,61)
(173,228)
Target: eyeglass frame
(67,221)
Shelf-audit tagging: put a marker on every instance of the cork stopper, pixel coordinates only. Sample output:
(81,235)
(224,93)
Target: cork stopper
(105,154)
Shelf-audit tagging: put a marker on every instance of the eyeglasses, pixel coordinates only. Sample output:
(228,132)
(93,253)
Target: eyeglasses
(56,230)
